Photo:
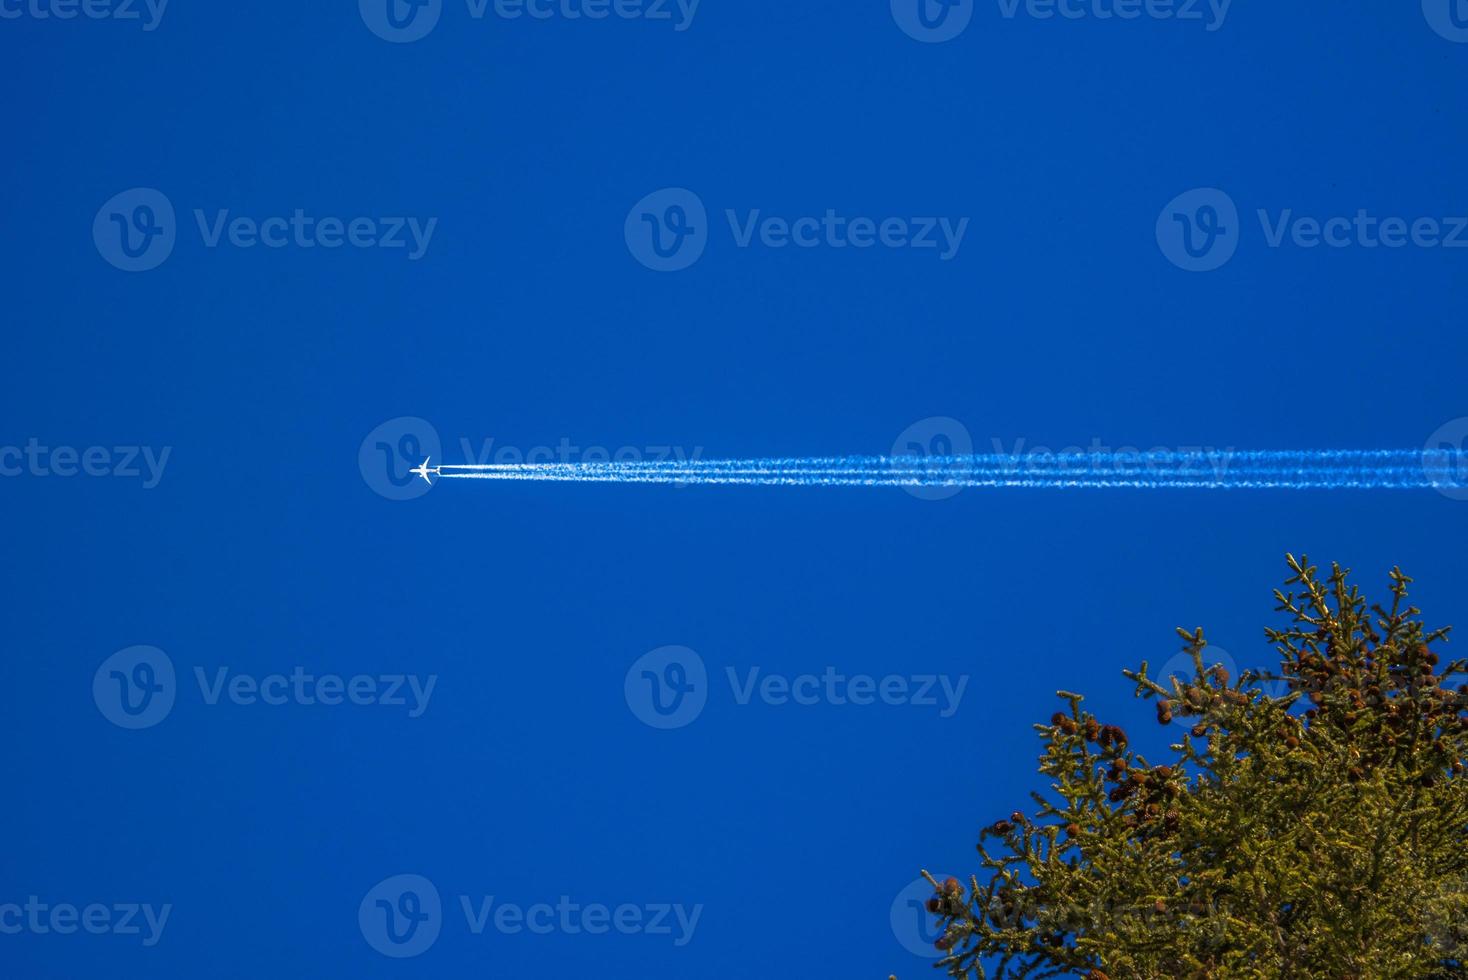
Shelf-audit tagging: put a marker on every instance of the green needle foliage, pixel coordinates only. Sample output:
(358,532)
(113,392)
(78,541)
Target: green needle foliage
(1310,822)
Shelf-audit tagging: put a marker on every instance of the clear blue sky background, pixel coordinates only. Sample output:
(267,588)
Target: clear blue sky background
(529,321)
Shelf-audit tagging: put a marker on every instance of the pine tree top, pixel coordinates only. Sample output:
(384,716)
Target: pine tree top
(1309,823)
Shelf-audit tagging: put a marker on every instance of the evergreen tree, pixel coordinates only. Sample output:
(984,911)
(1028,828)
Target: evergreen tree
(1309,823)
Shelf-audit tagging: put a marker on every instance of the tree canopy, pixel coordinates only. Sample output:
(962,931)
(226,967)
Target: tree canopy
(1309,822)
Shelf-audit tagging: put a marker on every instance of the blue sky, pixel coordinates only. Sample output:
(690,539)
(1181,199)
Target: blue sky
(245,249)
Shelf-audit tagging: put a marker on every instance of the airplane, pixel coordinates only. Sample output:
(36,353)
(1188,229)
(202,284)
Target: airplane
(424,470)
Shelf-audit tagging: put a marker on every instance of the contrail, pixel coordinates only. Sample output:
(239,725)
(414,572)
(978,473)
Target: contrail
(1322,469)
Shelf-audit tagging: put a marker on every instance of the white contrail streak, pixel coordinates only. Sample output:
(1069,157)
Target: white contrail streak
(1327,469)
